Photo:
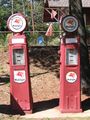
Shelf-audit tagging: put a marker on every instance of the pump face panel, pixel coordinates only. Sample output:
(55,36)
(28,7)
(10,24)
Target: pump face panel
(70,75)
(20,86)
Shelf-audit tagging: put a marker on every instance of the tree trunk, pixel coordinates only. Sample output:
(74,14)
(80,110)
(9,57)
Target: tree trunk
(75,8)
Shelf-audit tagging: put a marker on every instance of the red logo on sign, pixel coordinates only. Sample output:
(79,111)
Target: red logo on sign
(20,74)
(17,21)
(70,22)
(72,75)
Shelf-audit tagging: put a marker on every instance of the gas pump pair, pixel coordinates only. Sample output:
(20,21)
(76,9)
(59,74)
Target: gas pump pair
(20,86)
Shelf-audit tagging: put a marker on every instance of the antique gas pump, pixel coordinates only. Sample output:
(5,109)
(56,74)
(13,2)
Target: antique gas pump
(20,86)
(70,67)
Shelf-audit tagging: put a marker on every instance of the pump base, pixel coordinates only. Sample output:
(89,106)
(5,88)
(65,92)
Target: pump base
(70,110)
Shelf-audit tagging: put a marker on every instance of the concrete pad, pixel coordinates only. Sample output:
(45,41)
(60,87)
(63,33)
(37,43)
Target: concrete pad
(55,113)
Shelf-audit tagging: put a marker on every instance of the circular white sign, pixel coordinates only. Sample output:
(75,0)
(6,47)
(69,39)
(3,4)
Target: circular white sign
(71,77)
(69,23)
(16,23)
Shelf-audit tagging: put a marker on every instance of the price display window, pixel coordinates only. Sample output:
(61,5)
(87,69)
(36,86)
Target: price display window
(71,57)
(18,57)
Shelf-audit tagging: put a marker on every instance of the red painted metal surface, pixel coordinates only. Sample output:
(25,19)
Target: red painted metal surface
(20,85)
(69,90)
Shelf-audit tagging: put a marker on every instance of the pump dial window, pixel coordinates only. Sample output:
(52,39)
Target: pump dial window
(18,57)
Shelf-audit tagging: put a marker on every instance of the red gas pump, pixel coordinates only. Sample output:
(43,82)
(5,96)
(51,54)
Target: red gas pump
(20,86)
(70,67)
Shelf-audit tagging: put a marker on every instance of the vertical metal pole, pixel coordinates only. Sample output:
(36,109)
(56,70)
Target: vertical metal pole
(12,11)
(23,7)
(32,16)
(12,6)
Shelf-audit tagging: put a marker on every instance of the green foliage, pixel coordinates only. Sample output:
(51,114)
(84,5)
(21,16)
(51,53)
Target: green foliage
(26,7)
(88,30)
(38,12)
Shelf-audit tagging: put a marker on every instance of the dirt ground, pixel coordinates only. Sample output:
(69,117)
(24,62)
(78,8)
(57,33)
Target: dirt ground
(44,72)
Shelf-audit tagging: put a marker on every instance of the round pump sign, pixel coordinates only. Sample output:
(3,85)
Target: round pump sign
(16,22)
(71,77)
(69,23)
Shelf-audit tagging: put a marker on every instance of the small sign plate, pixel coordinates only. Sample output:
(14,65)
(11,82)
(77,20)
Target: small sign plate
(71,77)
(69,23)
(16,23)
(19,76)
(18,40)
(71,40)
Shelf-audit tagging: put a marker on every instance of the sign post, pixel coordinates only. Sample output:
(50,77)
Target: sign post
(20,86)
(70,67)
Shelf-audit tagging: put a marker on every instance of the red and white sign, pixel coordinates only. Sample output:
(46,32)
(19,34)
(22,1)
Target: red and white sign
(71,77)
(16,23)
(19,76)
(49,31)
(69,23)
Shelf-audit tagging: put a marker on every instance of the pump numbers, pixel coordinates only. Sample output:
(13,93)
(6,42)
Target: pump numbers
(71,77)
